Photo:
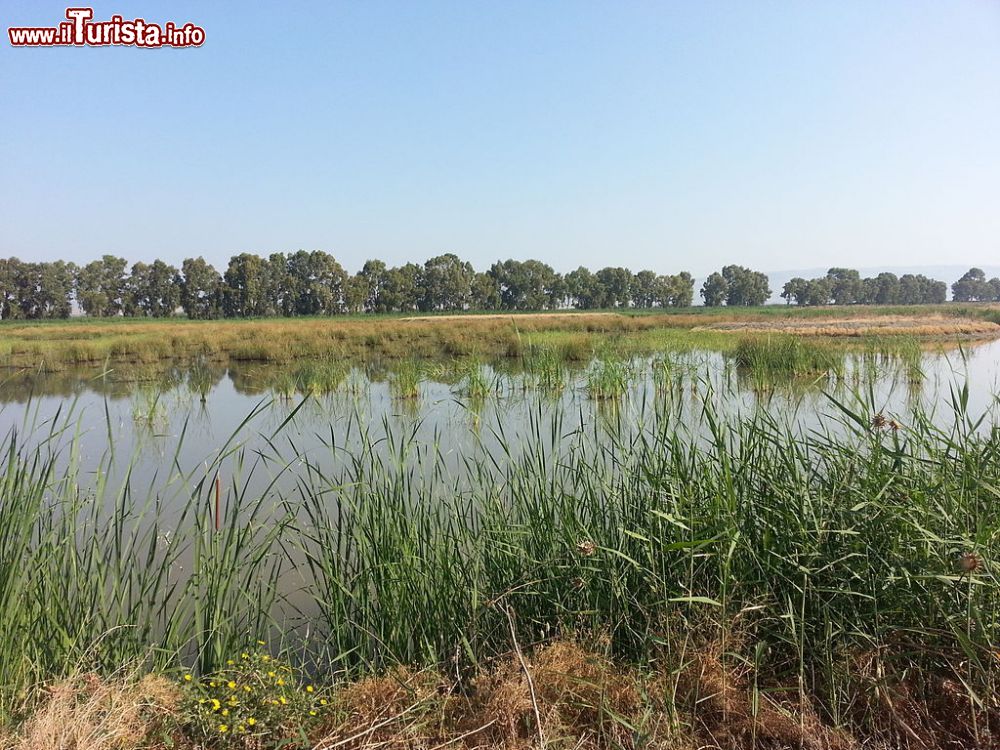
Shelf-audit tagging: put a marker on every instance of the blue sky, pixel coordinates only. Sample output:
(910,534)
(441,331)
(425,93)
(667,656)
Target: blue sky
(663,135)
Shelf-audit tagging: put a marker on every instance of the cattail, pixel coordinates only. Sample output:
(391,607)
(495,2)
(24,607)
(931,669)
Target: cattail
(969,562)
(586,548)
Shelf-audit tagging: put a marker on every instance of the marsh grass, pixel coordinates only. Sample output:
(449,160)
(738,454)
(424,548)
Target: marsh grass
(777,356)
(545,370)
(609,378)
(835,561)
(405,379)
(56,345)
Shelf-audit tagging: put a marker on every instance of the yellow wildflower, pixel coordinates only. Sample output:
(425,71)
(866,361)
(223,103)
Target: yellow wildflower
(231,685)
(223,728)
(309,688)
(251,721)
(187,678)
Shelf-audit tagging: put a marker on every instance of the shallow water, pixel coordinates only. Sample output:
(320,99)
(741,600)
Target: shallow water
(168,438)
(183,419)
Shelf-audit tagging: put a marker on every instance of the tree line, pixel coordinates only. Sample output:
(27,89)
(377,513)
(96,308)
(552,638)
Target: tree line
(844,286)
(315,283)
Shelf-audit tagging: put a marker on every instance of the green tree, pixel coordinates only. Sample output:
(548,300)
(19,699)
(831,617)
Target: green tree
(795,290)
(314,283)
(245,294)
(583,289)
(972,287)
(200,289)
(446,283)
(845,285)
(38,290)
(616,286)
(818,291)
(355,292)
(10,307)
(101,286)
(744,287)
(886,289)
(152,290)
(648,289)
(374,276)
(485,292)
(673,290)
(715,290)
(401,291)
(524,285)
(995,287)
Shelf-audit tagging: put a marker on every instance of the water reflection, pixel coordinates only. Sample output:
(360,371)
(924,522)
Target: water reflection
(458,407)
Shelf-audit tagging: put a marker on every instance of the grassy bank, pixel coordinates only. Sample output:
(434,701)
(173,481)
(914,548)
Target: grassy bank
(574,336)
(726,576)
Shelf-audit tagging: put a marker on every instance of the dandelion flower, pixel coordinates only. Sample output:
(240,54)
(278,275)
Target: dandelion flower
(225,712)
(223,728)
(309,688)
(232,685)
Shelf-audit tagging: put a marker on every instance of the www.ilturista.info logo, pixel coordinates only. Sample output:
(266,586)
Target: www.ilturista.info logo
(80,30)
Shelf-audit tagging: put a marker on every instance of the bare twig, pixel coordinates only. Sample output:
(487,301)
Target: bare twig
(527,676)
(461,737)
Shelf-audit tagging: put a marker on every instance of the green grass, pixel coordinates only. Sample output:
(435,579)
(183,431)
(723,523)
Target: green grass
(777,356)
(827,559)
(609,378)
(405,379)
(574,335)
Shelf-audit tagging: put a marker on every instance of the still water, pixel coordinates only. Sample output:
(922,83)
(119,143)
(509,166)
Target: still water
(207,416)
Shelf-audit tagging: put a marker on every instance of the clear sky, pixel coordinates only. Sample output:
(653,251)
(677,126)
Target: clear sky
(663,135)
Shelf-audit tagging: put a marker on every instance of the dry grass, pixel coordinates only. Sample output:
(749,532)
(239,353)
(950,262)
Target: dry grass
(90,713)
(708,699)
(56,345)
(931,325)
